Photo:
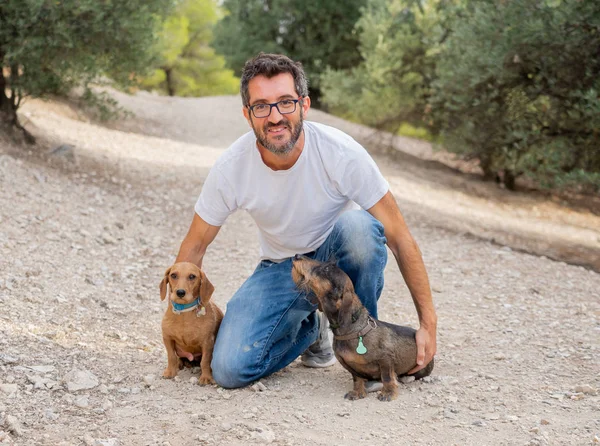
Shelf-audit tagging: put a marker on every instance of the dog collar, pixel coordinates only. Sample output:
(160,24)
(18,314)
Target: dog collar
(184,308)
(370,325)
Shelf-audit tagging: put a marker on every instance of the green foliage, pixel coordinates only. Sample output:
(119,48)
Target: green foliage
(49,47)
(513,83)
(188,65)
(399,44)
(318,33)
(518,87)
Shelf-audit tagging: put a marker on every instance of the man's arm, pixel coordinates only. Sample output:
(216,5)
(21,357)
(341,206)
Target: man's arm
(408,256)
(199,236)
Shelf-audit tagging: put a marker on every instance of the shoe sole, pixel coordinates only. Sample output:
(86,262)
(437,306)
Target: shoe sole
(310,362)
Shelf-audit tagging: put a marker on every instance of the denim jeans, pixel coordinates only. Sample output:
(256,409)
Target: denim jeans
(269,322)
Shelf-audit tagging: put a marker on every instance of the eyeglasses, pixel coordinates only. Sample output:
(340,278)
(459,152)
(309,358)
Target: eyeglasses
(285,107)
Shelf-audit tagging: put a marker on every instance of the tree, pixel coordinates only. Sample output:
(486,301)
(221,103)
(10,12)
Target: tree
(188,66)
(318,33)
(400,41)
(49,47)
(519,88)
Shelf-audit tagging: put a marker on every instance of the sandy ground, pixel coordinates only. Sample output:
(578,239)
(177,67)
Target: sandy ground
(86,233)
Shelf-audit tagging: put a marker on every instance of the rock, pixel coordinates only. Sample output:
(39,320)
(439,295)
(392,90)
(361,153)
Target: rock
(50,415)
(9,389)
(7,359)
(259,387)
(107,442)
(407,379)
(13,426)
(42,368)
(264,436)
(82,401)
(80,380)
(149,380)
(586,389)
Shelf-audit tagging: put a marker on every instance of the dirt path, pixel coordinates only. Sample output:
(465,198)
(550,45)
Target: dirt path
(85,238)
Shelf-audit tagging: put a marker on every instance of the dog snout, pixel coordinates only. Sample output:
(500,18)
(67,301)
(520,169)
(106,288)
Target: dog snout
(180,293)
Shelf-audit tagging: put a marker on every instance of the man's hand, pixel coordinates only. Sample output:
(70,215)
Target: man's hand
(426,347)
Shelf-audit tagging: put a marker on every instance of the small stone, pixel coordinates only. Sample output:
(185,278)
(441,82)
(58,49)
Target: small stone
(82,401)
(226,427)
(499,356)
(51,415)
(478,423)
(9,389)
(7,359)
(544,421)
(265,436)
(407,379)
(259,387)
(13,426)
(586,390)
(149,380)
(80,380)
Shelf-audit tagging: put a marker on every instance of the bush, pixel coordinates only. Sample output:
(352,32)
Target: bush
(49,47)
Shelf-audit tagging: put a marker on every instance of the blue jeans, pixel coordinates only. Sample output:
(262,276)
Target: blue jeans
(269,322)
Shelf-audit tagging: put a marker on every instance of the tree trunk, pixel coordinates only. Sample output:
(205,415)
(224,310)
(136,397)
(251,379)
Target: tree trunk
(8,108)
(169,80)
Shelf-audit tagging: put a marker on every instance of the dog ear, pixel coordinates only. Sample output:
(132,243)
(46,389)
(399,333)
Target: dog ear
(345,311)
(332,259)
(164,283)
(206,289)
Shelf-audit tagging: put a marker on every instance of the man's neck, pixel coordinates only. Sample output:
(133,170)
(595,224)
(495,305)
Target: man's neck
(282,161)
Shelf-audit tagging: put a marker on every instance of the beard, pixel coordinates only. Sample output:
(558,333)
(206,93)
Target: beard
(281,148)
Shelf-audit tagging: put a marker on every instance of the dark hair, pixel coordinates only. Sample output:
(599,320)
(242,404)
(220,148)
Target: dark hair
(270,65)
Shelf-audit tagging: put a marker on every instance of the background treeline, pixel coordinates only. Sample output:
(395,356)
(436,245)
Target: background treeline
(512,83)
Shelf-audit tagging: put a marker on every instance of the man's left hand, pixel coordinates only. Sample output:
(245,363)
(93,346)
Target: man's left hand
(426,347)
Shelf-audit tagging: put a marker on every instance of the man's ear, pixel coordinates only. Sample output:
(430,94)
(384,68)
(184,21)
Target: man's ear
(206,289)
(246,112)
(163,284)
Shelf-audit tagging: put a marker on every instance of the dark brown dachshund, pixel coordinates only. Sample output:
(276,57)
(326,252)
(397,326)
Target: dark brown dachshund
(368,348)
(191,322)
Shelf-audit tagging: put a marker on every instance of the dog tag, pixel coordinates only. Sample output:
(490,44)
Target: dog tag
(201,312)
(361,349)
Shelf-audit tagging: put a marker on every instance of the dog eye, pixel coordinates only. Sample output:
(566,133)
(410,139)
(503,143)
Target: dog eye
(173,276)
(192,277)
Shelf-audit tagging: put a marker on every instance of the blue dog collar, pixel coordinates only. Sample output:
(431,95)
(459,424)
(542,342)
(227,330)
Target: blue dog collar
(184,308)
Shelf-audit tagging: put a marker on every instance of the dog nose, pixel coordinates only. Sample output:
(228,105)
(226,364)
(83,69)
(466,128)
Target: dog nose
(180,293)
(297,257)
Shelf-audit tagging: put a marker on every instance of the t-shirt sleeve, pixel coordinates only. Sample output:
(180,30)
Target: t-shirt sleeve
(360,179)
(217,199)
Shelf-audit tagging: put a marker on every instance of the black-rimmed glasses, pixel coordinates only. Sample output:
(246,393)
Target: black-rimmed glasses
(285,107)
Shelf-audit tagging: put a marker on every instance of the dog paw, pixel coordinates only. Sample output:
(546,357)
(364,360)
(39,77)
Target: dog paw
(354,395)
(205,380)
(168,373)
(386,396)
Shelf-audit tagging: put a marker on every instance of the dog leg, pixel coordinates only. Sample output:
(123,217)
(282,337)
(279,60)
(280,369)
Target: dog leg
(173,361)
(206,372)
(390,383)
(359,390)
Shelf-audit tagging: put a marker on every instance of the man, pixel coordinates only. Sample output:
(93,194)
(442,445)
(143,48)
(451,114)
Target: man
(304,184)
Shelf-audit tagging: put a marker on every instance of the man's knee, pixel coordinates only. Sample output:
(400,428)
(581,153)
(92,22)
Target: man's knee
(229,371)
(361,236)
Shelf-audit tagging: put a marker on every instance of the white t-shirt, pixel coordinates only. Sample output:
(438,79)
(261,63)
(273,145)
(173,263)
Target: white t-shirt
(294,209)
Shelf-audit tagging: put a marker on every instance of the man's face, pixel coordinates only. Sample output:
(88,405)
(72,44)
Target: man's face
(277,133)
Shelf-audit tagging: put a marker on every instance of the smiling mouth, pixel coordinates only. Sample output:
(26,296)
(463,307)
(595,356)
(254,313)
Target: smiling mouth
(278,130)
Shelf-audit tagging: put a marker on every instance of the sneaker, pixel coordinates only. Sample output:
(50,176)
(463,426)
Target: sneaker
(320,353)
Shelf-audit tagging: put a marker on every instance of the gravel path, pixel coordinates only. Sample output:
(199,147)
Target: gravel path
(86,234)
